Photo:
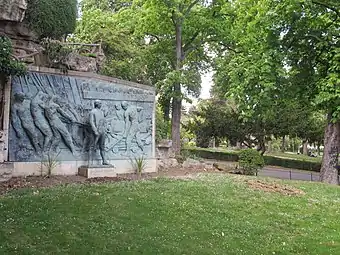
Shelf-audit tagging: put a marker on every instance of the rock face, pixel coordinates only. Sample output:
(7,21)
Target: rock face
(23,39)
(81,63)
(13,10)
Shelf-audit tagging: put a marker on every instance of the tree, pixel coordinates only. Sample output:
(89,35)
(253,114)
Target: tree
(51,18)
(172,36)
(287,50)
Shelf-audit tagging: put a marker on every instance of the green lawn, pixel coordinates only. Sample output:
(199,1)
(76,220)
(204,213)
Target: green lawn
(215,214)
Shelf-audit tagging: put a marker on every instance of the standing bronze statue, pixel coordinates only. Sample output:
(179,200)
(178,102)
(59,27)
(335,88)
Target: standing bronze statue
(98,126)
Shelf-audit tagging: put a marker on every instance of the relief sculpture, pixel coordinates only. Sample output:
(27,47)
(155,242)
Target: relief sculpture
(76,118)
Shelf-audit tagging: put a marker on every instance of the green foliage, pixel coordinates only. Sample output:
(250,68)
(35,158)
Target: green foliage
(126,55)
(56,53)
(250,161)
(106,5)
(8,64)
(162,126)
(52,18)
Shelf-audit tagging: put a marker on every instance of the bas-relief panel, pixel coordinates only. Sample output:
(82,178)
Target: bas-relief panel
(53,113)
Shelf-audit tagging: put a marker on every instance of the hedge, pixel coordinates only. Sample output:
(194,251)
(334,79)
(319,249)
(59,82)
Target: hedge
(269,160)
(51,18)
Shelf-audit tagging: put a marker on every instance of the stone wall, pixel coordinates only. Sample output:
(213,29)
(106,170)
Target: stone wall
(49,118)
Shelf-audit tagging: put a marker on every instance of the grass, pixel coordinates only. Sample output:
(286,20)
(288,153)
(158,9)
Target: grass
(215,214)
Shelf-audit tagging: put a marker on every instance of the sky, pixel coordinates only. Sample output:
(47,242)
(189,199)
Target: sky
(206,85)
(205,90)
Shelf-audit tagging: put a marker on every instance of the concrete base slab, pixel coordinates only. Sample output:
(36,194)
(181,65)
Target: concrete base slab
(97,171)
(122,166)
(6,171)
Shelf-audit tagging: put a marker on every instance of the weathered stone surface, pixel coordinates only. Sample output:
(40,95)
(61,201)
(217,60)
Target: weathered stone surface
(165,163)
(81,63)
(24,40)
(6,170)
(95,172)
(163,149)
(13,10)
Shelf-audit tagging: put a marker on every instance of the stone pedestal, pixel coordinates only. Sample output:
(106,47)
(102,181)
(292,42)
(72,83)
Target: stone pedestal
(97,171)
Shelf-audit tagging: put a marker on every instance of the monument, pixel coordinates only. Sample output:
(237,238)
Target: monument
(94,123)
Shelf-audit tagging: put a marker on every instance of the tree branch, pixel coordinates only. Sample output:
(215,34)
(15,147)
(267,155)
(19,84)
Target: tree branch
(228,47)
(155,36)
(190,7)
(187,45)
(28,55)
(327,6)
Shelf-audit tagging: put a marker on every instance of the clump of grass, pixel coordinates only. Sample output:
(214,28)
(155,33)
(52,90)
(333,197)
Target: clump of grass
(139,165)
(49,163)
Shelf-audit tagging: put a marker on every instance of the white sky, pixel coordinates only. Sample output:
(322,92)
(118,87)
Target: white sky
(205,90)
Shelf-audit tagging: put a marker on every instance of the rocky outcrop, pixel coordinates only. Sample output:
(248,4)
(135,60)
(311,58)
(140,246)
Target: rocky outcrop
(13,10)
(24,40)
(77,62)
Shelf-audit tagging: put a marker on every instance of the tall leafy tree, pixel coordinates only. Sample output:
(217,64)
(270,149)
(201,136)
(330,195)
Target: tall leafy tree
(286,50)
(173,36)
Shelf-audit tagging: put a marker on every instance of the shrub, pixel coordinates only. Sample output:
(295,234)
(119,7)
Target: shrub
(52,18)
(250,161)
(8,64)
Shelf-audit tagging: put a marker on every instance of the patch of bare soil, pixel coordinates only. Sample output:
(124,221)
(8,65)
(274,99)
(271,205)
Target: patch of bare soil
(274,187)
(44,181)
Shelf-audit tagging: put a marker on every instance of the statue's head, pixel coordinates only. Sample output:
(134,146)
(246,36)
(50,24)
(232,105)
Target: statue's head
(97,104)
(56,99)
(124,105)
(118,107)
(19,96)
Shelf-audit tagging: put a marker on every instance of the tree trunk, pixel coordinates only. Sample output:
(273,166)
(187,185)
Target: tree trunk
(238,145)
(262,146)
(166,110)
(329,171)
(283,145)
(217,142)
(177,100)
(305,147)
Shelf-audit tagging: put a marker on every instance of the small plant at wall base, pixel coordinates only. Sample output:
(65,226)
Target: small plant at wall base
(49,164)
(139,165)
(250,161)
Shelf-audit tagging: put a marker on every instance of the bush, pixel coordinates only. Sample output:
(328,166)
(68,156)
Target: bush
(9,65)
(211,154)
(250,161)
(52,18)
(162,126)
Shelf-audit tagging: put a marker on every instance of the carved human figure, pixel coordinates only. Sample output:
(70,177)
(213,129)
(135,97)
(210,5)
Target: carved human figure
(21,109)
(38,105)
(98,126)
(119,112)
(131,129)
(59,128)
